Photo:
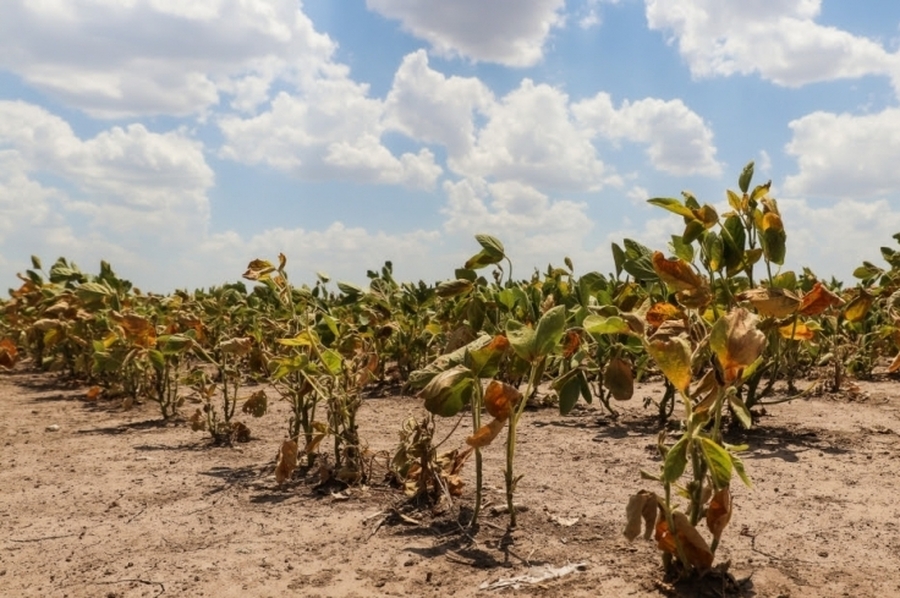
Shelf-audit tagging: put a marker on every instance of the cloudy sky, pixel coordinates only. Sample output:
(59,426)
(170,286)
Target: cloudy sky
(181,139)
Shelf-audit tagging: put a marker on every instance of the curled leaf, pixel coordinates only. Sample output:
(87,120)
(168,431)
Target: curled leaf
(500,399)
(619,379)
(9,354)
(736,342)
(718,514)
(257,404)
(818,300)
(287,461)
(676,273)
(774,302)
(641,508)
(486,433)
(695,549)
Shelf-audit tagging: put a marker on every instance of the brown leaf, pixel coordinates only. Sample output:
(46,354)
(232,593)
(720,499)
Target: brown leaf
(818,300)
(500,399)
(895,365)
(571,344)
(696,550)
(287,461)
(486,433)
(138,330)
(641,507)
(736,341)
(618,377)
(774,302)
(93,393)
(8,353)
(257,404)
(718,514)
(676,273)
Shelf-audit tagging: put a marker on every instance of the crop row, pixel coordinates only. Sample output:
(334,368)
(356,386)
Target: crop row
(717,316)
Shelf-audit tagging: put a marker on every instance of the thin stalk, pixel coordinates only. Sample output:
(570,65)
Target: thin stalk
(511,443)
(479,477)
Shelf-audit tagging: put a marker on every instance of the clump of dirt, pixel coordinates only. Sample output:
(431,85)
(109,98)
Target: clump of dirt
(98,501)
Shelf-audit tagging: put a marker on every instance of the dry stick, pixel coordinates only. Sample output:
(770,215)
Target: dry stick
(162,588)
(45,538)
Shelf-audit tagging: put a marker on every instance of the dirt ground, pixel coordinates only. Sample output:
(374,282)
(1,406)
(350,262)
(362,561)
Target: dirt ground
(115,503)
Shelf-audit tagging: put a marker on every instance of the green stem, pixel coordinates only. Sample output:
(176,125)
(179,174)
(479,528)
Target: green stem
(479,478)
(511,443)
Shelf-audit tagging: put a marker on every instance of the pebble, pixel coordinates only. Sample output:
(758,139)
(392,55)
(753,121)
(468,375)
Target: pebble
(53,428)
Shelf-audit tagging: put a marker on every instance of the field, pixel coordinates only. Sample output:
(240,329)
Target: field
(119,503)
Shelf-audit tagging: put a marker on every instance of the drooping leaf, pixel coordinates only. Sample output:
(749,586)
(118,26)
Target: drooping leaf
(486,434)
(662,312)
(718,514)
(449,391)
(774,302)
(521,339)
(642,508)
(596,325)
(673,355)
(858,308)
(236,346)
(736,341)
(287,461)
(485,361)
(259,270)
(549,330)
(9,354)
(696,550)
(818,300)
(719,462)
(797,331)
(676,273)
(618,377)
(676,461)
(138,330)
(773,238)
(452,288)
(673,205)
(569,388)
(740,411)
(500,399)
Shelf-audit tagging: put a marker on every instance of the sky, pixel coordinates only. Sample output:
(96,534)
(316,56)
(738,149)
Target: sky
(178,140)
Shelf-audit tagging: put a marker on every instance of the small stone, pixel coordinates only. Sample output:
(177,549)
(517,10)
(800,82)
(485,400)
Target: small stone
(53,428)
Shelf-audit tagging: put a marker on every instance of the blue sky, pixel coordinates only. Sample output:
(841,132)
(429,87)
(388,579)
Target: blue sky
(179,140)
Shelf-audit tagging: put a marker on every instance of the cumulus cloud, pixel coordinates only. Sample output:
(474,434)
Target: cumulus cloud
(509,32)
(330,130)
(845,155)
(160,56)
(678,140)
(780,40)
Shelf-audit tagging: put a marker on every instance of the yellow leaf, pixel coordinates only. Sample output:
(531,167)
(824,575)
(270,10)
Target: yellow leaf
(798,332)
(857,309)
(818,300)
(777,303)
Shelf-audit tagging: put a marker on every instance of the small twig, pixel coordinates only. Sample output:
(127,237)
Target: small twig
(377,527)
(136,515)
(45,538)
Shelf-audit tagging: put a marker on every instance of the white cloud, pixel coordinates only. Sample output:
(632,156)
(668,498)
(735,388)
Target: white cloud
(114,59)
(531,137)
(425,105)
(679,142)
(844,155)
(833,238)
(331,129)
(509,32)
(779,39)
(531,225)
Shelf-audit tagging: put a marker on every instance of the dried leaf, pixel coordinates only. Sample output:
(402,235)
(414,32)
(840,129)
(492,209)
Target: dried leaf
(774,302)
(673,355)
(257,404)
(718,514)
(287,461)
(641,507)
(618,377)
(695,548)
(736,342)
(676,273)
(895,365)
(236,346)
(198,421)
(93,393)
(818,300)
(500,399)
(858,308)
(138,330)
(486,433)
(9,354)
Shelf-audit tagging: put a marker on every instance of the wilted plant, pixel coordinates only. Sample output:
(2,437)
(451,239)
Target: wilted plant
(736,345)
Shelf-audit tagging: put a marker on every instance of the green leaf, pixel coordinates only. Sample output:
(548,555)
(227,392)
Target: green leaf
(36,262)
(618,258)
(719,462)
(549,331)
(742,473)
(740,411)
(568,387)
(481,259)
(173,344)
(157,359)
(676,461)
(734,200)
(521,339)
(349,289)
(485,361)
(638,261)
(449,391)
(452,288)
(332,360)
(491,245)
(715,251)
(746,177)
(673,205)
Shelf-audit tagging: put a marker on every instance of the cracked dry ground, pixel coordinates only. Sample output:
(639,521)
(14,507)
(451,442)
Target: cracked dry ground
(117,504)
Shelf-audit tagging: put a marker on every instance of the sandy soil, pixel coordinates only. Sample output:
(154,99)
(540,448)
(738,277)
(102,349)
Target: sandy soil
(115,503)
